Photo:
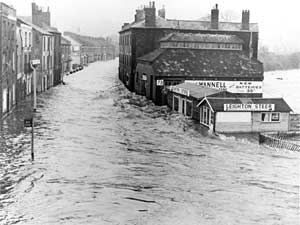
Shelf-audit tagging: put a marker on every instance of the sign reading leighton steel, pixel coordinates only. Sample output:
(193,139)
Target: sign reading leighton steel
(231,86)
(249,107)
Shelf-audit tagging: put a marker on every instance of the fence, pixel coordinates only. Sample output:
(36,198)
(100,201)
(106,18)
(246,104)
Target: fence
(280,140)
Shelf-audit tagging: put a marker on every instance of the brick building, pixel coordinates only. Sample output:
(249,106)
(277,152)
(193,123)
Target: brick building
(66,55)
(144,34)
(213,60)
(8,43)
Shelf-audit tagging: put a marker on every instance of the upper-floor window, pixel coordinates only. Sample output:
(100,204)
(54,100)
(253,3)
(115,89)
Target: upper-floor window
(25,44)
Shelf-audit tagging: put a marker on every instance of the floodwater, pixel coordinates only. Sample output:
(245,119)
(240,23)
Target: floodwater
(106,156)
(284,84)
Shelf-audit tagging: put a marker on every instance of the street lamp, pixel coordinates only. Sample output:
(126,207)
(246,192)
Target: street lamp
(34,64)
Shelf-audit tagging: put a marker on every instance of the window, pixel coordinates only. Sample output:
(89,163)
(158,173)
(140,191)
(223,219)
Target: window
(25,44)
(29,39)
(175,103)
(189,108)
(270,117)
(205,115)
(183,106)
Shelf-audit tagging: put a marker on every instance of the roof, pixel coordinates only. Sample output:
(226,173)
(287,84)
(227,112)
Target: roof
(37,28)
(210,38)
(152,55)
(217,104)
(203,63)
(192,25)
(198,91)
(64,41)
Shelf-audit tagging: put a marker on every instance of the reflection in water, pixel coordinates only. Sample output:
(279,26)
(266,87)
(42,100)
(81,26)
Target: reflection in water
(107,156)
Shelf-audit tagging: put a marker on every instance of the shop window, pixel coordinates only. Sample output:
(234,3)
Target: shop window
(270,117)
(176,103)
(189,108)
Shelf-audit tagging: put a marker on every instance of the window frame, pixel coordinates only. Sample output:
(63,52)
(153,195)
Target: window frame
(269,115)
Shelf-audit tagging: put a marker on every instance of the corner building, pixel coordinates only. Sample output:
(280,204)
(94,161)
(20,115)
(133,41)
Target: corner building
(144,35)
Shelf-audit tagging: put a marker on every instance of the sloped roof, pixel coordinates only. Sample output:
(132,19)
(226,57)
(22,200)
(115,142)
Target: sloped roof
(218,103)
(152,55)
(192,25)
(210,38)
(37,28)
(203,63)
(197,91)
(64,41)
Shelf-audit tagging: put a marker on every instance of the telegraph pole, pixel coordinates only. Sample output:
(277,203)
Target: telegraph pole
(30,122)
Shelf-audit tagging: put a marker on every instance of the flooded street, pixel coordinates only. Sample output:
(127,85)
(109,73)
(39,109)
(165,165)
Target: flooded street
(107,156)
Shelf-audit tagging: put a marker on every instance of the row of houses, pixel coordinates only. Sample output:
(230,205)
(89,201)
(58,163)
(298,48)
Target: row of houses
(207,70)
(87,49)
(23,39)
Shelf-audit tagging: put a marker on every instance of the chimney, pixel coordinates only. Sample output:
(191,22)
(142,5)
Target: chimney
(139,15)
(162,13)
(215,18)
(124,25)
(245,19)
(150,17)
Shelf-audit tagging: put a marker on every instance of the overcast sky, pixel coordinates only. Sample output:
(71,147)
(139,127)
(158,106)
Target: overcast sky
(278,20)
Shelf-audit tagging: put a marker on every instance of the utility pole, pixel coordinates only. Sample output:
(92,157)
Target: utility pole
(34,88)
(30,122)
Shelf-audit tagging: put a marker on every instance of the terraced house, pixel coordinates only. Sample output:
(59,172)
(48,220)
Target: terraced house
(156,52)
(8,43)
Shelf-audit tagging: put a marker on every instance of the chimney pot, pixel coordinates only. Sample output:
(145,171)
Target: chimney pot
(215,18)
(245,20)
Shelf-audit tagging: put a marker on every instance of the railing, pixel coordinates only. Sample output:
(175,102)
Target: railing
(280,140)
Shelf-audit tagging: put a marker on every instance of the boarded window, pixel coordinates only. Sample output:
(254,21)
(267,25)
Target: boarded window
(234,117)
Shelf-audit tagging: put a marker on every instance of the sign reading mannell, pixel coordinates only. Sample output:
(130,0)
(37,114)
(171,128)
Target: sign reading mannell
(249,107)
(231,86)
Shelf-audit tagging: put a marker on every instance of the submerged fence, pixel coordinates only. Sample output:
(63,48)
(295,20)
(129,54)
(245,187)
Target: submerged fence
(281,140)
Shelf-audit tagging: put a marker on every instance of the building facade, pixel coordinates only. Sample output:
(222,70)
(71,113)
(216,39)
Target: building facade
(43,49)
(144,34)
(8,43)
(212,60)
(66,56)
(24,51)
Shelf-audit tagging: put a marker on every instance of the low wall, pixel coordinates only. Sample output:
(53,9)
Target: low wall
(280,140)
(294,122)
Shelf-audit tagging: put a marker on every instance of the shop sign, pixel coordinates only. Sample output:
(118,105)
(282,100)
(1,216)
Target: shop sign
(181,91)
(144,77)
(231,86)
(28,122)
(160,82)
(249,107)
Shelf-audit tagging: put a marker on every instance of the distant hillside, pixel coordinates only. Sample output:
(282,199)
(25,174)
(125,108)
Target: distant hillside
(88,40)
(273,61)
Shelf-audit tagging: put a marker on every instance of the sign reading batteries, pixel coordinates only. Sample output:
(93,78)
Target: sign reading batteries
(231,86)
(160,82)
